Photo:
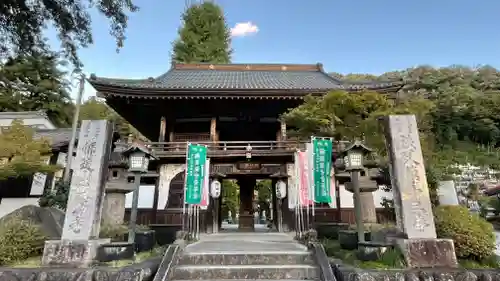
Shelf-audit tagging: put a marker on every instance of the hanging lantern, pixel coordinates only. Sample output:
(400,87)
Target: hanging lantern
(281,189)
(215,189)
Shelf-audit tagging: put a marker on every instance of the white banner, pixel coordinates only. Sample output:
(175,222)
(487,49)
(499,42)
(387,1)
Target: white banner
(310,170)
(333,189)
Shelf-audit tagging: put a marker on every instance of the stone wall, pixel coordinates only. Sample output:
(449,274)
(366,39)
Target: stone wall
(144,271)
(344,272)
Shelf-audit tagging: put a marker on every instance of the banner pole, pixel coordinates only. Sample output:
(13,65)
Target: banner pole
(313,186)
(185,188)
(299,197)
(198,223)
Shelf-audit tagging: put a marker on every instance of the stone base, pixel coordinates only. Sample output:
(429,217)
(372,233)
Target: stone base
(246,223)
(115,251)
(426,253)
(71,253)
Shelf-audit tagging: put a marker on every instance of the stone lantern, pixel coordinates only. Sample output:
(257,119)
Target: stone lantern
(367,178)
(116,187)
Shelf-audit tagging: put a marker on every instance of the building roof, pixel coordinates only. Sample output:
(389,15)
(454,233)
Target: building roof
(234,77)
(58,138)
(23,115)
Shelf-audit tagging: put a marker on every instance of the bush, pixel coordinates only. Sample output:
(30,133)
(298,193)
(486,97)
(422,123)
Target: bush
(55,198)
(473,236)
(114,231)
(117,232)
(21,239)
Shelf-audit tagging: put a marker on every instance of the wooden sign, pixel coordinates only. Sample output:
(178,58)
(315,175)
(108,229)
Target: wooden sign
(248,166)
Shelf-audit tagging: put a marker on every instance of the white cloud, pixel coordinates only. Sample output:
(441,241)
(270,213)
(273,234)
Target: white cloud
(242,29)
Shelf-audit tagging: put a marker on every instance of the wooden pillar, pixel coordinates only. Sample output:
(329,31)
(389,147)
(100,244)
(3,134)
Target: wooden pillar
(163,129)
(213,130)
(161,138)
(275,203)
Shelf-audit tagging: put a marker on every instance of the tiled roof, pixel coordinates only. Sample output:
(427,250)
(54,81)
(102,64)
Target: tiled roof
(57,137)
(23,115)
(236,77)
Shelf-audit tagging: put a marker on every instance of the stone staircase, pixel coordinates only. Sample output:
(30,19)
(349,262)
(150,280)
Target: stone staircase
(267,256)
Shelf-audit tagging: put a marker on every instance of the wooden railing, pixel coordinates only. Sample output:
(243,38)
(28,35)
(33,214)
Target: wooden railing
(230,148)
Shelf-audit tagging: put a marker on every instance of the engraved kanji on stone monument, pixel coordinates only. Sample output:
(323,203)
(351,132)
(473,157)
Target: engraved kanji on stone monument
(84,206)
(409,182)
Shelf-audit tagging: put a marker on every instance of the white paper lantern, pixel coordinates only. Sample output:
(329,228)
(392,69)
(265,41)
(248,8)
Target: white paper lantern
(215,189)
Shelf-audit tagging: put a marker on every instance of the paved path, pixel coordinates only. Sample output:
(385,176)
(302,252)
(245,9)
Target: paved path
(249,242)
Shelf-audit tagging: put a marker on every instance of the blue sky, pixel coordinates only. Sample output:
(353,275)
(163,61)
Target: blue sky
(360,36)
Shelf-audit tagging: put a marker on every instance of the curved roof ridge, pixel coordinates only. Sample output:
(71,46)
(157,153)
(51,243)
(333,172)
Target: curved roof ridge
(247,66)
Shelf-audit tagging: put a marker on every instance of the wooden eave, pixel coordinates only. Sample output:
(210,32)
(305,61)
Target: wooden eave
(107,91)
(147,93)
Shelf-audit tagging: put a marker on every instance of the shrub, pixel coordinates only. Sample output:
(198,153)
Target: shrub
(21,239)
(114,231)
(55,198)
(117,232)
(473,236)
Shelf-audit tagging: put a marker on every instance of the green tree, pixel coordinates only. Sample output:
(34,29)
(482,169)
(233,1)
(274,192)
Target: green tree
(94,109)
(36,83)
(22,23)
(230,198)
(264,198)
(457,108)
(204,37)
(21,154)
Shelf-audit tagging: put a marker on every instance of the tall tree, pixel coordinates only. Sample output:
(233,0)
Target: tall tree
(22,23)
(204,37)
(36,82)
(94,109)
(21,154)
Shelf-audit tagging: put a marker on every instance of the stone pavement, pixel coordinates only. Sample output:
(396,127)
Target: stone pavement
(246,242)
(246,255)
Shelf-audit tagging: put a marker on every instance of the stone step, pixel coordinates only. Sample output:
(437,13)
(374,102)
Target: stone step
(255,279)
(254,272)
(247,258)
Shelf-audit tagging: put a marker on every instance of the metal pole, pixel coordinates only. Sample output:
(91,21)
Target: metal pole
(357,206)
(307,218)
(133,212)
(74,127)
(190,221)
(184,196)
(197,222)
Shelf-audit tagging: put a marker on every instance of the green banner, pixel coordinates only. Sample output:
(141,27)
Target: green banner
(322,161)
(195,172)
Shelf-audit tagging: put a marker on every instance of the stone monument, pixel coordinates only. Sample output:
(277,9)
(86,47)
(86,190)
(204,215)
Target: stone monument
(447,194)
(80,235)
(412,202)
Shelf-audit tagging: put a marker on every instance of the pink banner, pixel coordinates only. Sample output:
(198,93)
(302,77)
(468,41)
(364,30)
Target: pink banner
(206,183)
(303,180)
